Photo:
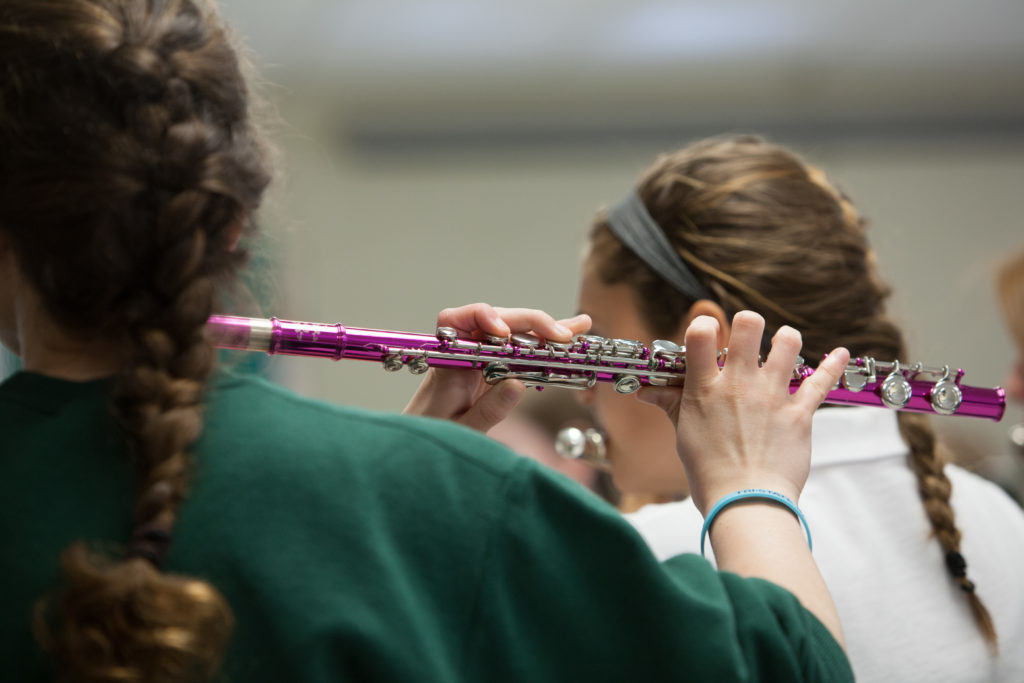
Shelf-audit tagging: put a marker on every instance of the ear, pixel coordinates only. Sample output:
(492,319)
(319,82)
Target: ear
(710,308)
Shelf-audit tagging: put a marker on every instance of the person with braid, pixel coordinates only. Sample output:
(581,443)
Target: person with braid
(923,559)
(1010,292)
(166,520)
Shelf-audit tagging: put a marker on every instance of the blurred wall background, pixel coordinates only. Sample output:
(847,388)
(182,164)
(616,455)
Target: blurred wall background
(439,152)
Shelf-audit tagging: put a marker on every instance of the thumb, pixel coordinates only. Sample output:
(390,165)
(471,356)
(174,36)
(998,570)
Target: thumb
(494,405)
(666,398)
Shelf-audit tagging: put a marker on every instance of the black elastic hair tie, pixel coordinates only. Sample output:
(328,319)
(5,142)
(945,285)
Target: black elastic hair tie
(150,542)
(956,564)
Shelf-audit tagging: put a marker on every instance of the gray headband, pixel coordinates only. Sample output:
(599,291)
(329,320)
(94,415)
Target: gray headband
(634,226)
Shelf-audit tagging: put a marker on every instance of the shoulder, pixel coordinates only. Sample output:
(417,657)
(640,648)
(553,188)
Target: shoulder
(281,473)
(983,505)
(266,448)
(974,491)
(251,411)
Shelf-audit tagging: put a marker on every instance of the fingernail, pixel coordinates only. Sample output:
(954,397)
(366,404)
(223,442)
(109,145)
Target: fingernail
(500,325)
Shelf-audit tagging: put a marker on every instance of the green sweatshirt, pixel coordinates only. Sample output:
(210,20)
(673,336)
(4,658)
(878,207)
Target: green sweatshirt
(373,547)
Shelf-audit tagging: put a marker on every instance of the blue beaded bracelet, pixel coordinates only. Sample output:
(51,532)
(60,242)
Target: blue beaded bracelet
(752,493)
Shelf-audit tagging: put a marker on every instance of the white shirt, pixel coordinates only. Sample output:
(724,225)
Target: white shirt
(903,616)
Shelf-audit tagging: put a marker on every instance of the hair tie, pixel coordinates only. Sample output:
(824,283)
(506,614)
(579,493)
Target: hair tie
(956,564)
(150,542)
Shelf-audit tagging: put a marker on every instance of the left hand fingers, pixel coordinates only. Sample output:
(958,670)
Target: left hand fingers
(493,406)
(461,396)
(666,398)
(444,393)
(473,317)
(504,321)
(543,325)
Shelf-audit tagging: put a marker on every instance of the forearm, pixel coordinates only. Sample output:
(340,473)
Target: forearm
(761,539)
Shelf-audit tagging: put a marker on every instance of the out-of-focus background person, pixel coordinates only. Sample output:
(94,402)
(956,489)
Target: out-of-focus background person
(534,429)
(1010,289)
(1010,286)
(462,145)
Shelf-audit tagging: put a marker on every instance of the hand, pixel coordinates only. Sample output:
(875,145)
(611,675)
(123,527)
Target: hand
(740,427)
(462,395)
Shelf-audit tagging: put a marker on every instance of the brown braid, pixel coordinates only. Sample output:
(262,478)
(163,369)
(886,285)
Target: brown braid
(765,231)
(129,165)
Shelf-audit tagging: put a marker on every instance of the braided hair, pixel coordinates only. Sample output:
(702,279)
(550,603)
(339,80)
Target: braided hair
(130,166)
(763,230)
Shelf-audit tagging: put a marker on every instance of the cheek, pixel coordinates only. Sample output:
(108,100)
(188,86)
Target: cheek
(622,417)
(641,443)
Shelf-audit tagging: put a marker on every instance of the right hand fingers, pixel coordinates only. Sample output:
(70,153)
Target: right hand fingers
(783,356)
(701,352)
(815,388)
(744,343)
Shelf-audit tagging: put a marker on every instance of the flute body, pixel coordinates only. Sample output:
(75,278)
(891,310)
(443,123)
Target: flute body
(589,359)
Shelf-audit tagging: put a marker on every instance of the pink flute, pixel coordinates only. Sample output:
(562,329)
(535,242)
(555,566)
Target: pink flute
(589,359)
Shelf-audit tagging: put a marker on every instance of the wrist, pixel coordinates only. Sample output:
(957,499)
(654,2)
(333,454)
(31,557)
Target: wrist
(707,496)
(753,532)
(746,498)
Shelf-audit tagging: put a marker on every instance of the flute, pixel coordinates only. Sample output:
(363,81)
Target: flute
(588,359)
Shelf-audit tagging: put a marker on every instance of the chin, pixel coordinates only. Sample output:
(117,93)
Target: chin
(638,483)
